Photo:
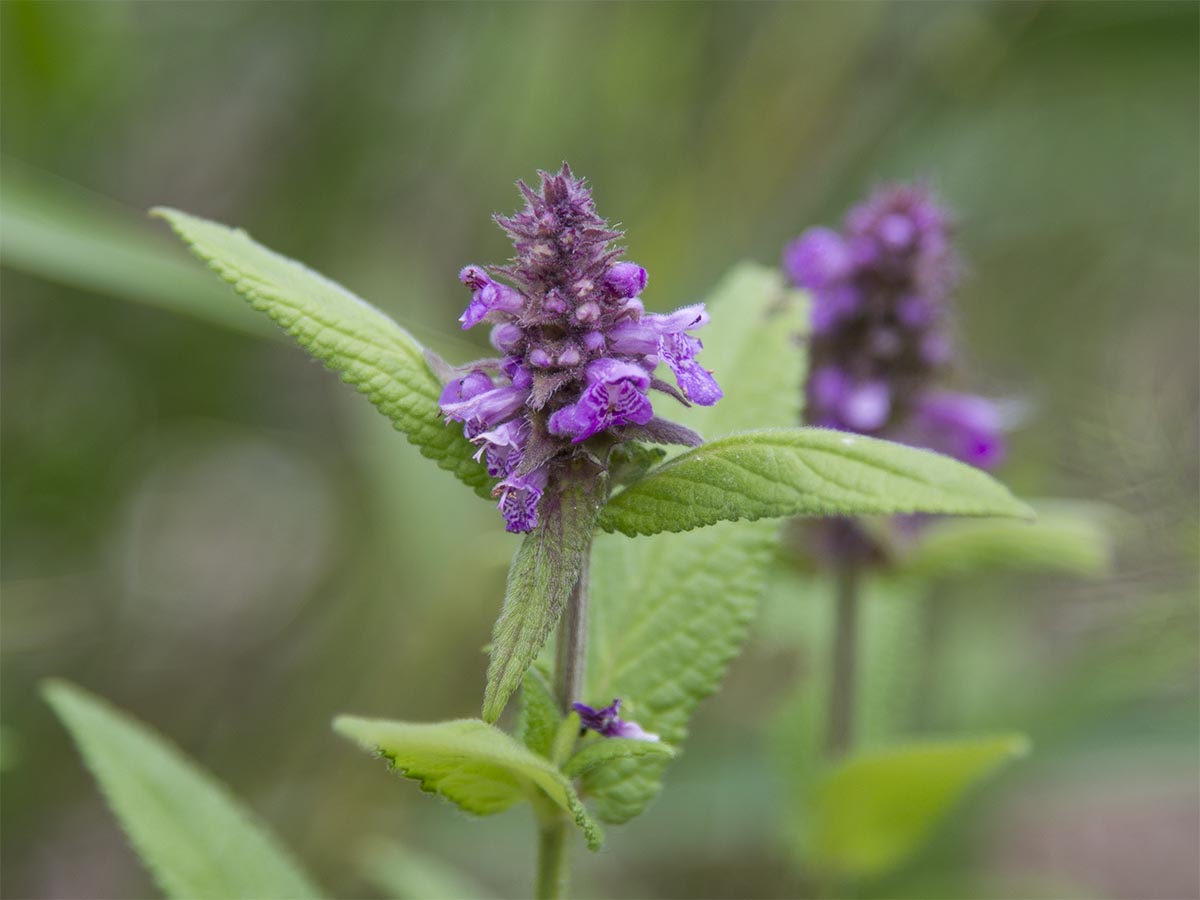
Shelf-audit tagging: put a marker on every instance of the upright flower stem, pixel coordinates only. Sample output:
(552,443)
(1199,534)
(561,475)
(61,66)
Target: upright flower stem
(569,669)
(840,733)
(571,662)
(552,868)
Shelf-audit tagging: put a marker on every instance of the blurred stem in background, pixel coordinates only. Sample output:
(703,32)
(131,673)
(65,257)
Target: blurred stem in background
(840,731)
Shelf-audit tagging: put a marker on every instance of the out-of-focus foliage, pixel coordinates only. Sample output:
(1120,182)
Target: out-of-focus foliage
(876,808)
(204,526)
(1065,538)
(404,874)
(196,838)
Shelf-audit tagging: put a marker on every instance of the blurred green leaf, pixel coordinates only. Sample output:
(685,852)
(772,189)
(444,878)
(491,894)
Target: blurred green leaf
(195,837)
(540,580)
(602,751)
(67,235)
(471,763)
(368,349)
(405,874)
(671,611)
(802,471)
(1066,538)
(875,809)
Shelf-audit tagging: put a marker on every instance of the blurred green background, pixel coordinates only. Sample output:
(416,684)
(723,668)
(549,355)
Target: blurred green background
(206,527)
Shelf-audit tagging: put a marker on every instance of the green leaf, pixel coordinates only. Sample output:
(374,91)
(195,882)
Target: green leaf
(471,763)
(540,716)
(606,750)
(877,808)
(802,471)
(1067,538)
(670,612)
(540,580)
(196,838)
(368,349)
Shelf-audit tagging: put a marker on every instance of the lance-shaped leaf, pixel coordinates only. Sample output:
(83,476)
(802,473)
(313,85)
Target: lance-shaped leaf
(1067,538)
(471,763)
(372,353)
(195,837)
(802,472)
(875,809)
(669,612)
(540,580)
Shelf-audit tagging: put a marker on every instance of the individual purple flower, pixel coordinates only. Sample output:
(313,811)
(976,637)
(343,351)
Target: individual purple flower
(487,296)
(578,349)
(968,427)
(608,723)
(519,496)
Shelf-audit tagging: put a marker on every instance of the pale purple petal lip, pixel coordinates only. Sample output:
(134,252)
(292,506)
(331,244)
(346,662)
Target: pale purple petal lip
(608,723)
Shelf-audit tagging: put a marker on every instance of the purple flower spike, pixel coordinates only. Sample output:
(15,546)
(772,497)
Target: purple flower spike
(606,722)
(879,342)
(578,349)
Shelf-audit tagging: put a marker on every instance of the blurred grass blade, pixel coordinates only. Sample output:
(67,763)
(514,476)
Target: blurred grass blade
(877,808)
(63,233)
(404,874)
(195,837)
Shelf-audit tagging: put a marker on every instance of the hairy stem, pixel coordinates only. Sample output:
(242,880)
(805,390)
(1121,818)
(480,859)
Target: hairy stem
(569,669)
(840,733)
(571,662)
(552,858)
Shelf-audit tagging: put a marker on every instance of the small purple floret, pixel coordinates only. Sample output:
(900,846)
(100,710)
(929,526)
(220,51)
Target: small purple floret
(608,723)
(627,279)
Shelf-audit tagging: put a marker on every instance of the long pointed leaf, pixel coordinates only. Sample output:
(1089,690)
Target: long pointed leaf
(372,352)
(197,839)
(802,471)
